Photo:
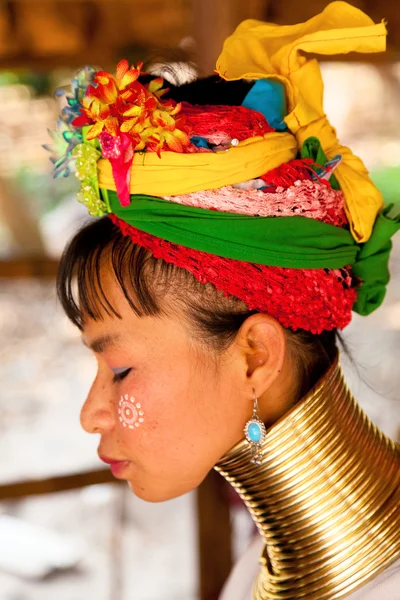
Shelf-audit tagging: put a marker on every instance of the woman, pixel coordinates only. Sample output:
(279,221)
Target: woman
(239,236)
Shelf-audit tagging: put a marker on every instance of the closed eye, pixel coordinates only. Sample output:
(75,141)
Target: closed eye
(120,374)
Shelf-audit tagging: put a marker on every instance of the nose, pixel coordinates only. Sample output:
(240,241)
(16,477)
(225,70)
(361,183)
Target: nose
(98,412)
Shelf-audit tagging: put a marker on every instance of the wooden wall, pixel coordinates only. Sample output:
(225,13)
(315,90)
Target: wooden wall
(68,32)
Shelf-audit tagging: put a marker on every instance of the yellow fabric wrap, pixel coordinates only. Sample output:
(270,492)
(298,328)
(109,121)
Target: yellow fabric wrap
(261,50)
(174,174)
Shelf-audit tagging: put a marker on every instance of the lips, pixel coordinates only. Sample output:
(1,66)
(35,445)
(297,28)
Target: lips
(117,466)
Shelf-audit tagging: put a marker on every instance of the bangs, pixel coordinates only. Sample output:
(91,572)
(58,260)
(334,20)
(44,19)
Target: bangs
(79,284)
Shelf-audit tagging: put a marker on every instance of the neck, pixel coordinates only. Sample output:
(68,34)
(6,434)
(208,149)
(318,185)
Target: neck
(325,497)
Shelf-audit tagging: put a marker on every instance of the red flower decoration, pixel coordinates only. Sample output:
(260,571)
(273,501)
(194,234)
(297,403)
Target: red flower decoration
(120,107)
(120,104)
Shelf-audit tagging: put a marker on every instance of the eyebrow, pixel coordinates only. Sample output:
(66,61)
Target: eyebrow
(99,344)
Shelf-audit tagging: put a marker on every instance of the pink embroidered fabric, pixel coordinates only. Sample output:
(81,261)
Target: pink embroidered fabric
(315,300)
(305,198)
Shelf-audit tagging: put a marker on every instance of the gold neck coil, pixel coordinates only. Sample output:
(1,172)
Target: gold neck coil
(325,497)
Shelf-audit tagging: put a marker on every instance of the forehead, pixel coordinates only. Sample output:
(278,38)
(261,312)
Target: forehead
(110,300)
(103,305)
(126,324)
(149,335)
(100,294)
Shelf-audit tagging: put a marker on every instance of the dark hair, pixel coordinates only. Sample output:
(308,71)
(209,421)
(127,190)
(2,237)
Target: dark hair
(146,281)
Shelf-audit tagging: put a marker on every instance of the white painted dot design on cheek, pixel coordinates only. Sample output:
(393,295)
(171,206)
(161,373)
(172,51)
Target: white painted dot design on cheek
(129,413)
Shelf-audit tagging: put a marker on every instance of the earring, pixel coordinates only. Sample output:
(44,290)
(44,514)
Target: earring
(255,433)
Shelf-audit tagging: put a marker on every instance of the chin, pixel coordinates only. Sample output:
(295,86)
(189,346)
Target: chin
(153,494)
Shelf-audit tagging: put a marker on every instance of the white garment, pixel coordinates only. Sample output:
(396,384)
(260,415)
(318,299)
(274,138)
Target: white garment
(385,586)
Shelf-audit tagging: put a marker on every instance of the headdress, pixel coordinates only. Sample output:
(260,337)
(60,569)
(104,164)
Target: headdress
(260,200)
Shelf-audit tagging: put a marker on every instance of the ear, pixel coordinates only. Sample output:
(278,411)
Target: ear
(263,345)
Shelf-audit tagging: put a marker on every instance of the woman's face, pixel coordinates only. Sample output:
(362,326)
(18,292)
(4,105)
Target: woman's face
(165,408)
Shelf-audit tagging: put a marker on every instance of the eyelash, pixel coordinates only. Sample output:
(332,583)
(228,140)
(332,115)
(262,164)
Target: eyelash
(120,376)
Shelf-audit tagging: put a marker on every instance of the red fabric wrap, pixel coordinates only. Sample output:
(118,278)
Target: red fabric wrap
(219,124)
(312,299)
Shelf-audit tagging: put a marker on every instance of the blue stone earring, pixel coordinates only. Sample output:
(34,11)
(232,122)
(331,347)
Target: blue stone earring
(255,433)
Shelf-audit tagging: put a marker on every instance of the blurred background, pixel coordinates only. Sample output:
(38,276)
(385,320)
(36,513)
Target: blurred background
(67,530)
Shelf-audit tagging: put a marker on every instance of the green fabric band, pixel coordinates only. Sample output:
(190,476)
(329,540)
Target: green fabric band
(312,149)
(291,242)
(295,242)
(372,264)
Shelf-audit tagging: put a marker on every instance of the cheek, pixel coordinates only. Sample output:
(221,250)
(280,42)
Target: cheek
(189,422)
(163,415)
